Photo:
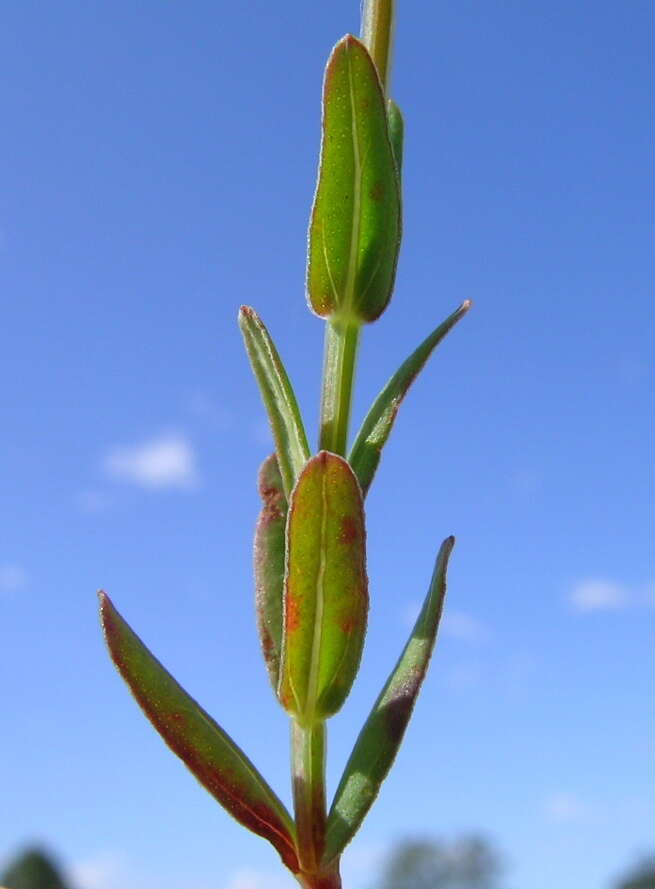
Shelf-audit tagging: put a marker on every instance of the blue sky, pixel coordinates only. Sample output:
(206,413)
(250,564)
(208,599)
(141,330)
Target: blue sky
(158,163)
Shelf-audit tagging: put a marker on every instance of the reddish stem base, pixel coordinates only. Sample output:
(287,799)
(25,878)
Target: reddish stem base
(325,880)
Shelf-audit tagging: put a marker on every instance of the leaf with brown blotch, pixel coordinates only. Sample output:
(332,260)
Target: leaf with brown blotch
(366,451)
(211,755)
(382,734)
(326,590)
(269,564)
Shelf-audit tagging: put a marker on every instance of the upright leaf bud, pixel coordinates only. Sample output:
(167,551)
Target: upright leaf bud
(355,227)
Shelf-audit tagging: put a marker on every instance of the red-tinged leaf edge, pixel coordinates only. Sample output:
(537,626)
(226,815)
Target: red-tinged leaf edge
(269,565)
(326,589)
(382,734)
(207,751)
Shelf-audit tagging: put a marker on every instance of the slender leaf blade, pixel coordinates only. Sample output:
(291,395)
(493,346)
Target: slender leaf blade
(278,396)
(326,589)
(382,734)
(355,226)
(210,754)
(269,565)
(366,451)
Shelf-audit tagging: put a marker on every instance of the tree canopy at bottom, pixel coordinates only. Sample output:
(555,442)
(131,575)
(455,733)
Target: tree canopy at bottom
(33,869)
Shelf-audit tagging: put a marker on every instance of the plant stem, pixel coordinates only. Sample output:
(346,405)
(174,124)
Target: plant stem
(377,33)
(341,342)
(308,761)
(327,879)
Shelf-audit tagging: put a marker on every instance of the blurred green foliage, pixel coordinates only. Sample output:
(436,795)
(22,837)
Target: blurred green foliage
(33,869)
(640,877)
(467,863)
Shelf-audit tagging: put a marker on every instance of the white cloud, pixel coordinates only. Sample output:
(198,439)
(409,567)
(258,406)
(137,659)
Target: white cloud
(12,578)
(105,870)
(108,869)
(463,626)
(165,462)
(598,595)
(565,807)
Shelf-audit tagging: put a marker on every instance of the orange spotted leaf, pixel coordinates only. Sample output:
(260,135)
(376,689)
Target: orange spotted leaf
(326,591)
(269,564)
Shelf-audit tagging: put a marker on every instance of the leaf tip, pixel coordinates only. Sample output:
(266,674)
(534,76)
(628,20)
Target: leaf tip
(445,550)
(104,602)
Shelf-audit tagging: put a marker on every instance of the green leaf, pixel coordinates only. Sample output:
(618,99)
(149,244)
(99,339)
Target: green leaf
(269,565)
(382,734)
(355,227)
(396,133)
(375,430)
(278,396)
(326,590)
(215,760)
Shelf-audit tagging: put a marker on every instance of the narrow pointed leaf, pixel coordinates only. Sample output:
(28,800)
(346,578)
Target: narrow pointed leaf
(278,396)
(215,760)
(269,565)
(375,430)
(396,133)
(382,734)
(326,592)
(355,227)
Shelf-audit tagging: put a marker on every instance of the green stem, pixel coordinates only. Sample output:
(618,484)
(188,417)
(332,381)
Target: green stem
(308,761)
(377,33)
(341,342)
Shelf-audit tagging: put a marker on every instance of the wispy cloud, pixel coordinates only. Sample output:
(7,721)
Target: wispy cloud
(565,807)
(168,461)
(463,626)
(598,595)
(12,577)
(104,870)
(113,869)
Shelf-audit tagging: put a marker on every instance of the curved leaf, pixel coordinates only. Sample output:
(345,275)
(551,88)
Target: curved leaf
(375,430)
(355,227)
(269,564)
(326,591)
(382,734)
(215,760)
(278,396)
